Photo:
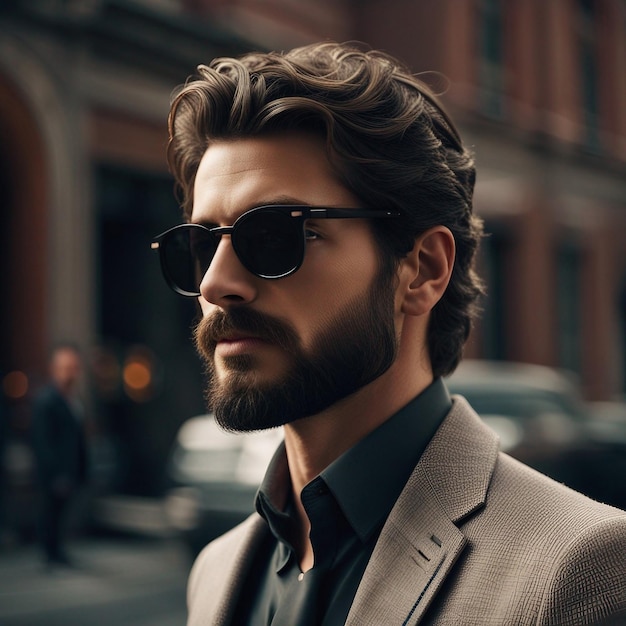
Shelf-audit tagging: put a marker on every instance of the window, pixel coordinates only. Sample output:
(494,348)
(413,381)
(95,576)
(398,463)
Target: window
(494,259)
(588,42)
(569,265)
(142,322)
(491,46)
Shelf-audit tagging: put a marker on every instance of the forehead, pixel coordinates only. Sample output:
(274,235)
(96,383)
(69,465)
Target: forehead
(236,175)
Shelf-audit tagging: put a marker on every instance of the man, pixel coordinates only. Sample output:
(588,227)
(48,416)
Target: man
(60,449)
(330,242)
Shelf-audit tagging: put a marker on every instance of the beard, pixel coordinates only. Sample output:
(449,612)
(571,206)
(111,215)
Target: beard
(356,347)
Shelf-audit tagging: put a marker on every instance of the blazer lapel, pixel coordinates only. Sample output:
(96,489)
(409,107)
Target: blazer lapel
(420,541)
(406,567)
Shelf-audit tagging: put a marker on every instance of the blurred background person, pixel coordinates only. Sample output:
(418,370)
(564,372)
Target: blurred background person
(60,449)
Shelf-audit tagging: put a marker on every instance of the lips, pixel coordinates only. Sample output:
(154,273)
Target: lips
(234,337)
(233,344)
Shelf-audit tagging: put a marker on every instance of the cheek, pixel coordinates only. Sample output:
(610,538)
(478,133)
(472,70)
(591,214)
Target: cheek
(316,303)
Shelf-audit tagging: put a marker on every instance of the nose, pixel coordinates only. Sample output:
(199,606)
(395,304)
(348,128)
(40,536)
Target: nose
(227,282)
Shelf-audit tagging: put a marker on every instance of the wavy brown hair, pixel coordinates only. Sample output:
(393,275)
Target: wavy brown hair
(389,139)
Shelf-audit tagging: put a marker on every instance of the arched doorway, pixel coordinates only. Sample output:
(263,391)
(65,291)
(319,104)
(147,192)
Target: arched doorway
(23,238)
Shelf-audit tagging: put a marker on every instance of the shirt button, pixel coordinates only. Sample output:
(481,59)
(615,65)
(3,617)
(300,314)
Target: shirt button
(301,576)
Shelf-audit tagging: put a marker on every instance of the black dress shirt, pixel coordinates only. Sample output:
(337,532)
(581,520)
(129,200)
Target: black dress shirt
(347,505)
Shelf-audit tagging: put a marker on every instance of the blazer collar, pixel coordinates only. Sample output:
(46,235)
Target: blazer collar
(420,541)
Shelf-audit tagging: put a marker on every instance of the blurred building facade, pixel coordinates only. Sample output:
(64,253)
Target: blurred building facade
(538,89)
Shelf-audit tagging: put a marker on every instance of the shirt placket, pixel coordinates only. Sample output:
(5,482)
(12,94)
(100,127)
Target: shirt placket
(302,602)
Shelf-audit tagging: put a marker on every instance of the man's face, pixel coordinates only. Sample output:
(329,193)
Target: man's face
(65,369)
(280,350)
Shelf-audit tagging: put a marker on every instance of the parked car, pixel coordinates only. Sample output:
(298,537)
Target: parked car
(609,422)
(214,476)
(543,421)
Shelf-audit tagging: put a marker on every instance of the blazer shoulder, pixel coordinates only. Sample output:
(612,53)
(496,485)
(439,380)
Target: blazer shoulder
(589,577)
(547,554)
(559,556)
(217,555)
(219,569)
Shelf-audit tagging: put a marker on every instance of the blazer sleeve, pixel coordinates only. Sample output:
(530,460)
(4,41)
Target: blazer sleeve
(588,585)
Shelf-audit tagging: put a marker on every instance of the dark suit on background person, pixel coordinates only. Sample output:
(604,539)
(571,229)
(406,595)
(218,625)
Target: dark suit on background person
(60,453)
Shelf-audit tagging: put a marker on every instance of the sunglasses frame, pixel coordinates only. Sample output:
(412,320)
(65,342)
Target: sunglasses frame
(295,211)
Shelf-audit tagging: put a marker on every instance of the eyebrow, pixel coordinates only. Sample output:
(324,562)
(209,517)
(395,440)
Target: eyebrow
(277,200)
(282,200)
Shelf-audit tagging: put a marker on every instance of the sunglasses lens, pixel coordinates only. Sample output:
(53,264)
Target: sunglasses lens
(269,243)
(187,253)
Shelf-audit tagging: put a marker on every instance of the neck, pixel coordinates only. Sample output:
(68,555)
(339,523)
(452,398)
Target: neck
(314,442)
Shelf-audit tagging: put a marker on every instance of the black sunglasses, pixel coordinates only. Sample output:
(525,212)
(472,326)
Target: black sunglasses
(268,240)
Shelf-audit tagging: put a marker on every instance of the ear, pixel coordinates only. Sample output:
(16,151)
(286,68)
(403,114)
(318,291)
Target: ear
(425,272)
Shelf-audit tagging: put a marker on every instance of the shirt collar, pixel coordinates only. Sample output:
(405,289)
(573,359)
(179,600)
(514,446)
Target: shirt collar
(367,479)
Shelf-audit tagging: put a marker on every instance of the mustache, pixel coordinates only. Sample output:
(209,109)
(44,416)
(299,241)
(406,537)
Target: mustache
(220,324)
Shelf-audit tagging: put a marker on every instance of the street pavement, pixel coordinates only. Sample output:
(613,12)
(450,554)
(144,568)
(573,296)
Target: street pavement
(120,581)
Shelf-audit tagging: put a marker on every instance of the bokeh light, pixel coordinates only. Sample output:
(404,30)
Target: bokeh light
(138,375)
(15,385)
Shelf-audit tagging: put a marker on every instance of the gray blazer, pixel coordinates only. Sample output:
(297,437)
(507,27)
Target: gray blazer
(475,538)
